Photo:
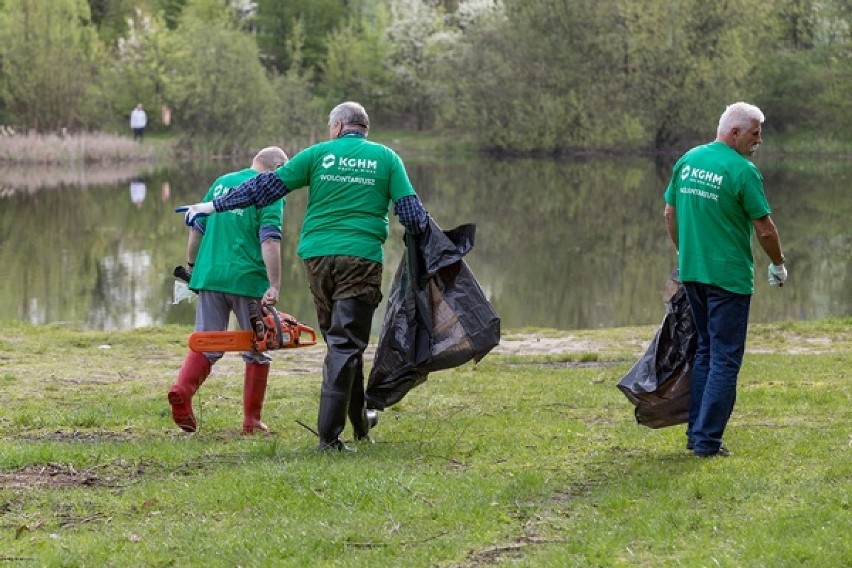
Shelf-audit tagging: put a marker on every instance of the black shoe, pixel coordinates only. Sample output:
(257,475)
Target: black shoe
(690,446)
(336,445)
(722,452)
(372,419)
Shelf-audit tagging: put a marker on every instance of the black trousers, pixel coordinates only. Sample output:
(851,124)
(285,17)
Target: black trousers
(346,291)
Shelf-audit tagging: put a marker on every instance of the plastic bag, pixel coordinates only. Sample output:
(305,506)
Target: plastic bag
(182,292)
(658,384)
(437,315)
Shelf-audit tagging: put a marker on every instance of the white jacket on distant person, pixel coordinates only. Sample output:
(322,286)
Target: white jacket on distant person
(138,118)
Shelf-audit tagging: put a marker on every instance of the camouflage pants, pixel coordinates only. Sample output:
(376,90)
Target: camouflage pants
(333,278)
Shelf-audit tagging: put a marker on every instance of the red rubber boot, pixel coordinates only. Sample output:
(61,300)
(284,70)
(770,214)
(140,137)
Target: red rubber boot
(254,390)
(195,369)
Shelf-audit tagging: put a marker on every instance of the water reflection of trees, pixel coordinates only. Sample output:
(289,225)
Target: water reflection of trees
(560,243)
(557,240)
(581,243)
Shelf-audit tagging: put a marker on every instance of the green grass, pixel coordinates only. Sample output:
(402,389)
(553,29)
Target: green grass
(530,458)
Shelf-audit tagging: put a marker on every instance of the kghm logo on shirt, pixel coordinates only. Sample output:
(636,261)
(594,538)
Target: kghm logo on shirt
(344,163)
(357,164)
(705,176)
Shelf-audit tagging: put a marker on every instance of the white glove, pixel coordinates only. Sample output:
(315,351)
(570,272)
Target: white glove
(777,275)
(193,212)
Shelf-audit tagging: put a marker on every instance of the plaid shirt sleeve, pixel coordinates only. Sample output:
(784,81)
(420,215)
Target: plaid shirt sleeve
(411,213)
(260,191)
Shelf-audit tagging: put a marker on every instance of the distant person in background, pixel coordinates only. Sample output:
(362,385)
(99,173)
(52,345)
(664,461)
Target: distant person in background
(234,259)
(138,122)
(713,201)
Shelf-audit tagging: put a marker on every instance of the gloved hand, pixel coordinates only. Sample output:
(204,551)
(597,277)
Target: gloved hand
(183,273)
(193,212)
(777,275)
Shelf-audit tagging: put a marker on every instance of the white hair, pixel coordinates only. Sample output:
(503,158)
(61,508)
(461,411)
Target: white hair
(350,113)
(738,115)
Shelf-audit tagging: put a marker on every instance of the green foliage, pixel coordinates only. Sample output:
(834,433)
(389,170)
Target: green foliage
(51,59)
(277,20)
(683,83)
(138,73)
(218,90)
(523,76)
(793,80)
(355,67)
(605,75)
(419,40)
(110,17)
(171,10)
(299,117)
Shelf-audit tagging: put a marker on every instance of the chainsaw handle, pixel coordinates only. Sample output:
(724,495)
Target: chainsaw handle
(302,328)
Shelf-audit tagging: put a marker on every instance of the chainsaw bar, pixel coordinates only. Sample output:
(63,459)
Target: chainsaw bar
(214,341)
(276,330)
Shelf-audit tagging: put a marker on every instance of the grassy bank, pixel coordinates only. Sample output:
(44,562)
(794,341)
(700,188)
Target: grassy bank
(531,458)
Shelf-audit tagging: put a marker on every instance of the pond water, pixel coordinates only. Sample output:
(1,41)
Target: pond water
(561,243)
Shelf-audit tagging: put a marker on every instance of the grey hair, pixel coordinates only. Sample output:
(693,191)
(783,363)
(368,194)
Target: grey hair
(738,115)
(270,158)
(350,114)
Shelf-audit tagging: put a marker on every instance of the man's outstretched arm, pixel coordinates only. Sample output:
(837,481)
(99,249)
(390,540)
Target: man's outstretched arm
(260,191)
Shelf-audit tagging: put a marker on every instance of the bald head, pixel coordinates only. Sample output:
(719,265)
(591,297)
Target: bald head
(268,159)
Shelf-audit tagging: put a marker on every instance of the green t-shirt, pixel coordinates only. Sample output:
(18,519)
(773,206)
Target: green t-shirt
(230,258)
(352,184)
(716,193)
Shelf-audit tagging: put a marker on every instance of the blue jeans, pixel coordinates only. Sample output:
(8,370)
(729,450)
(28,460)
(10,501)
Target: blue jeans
(721,323)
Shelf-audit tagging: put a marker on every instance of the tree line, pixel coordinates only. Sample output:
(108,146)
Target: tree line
(516,76)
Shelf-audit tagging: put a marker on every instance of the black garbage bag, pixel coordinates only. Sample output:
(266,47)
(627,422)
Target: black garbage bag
(658,384)
(437,315)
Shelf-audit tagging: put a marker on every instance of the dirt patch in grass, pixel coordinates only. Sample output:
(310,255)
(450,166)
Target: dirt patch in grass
(51,476)
(569,364)
(531,346)
(509,552)
(77,436)
(115,474)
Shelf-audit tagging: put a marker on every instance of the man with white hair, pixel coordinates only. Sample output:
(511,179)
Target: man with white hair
(352,183)
(713,200)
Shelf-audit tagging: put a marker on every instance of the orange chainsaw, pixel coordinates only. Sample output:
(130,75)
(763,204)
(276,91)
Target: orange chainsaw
(271,330)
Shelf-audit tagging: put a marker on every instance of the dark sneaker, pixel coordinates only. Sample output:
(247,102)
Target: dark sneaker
(690,446)
(336,445)
(722,452)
